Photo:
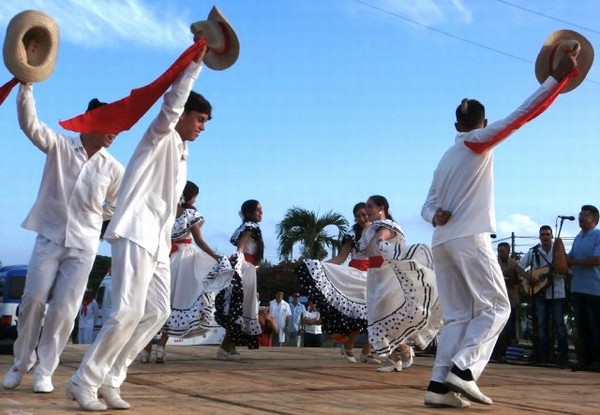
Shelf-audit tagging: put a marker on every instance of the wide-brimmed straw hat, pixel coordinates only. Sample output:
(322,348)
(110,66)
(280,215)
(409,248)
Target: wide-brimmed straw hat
(31,46)
(223,44)
(554,46)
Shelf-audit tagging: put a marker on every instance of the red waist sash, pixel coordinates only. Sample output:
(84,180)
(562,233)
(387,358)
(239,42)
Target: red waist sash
(361,264)
(375,261)
(175,245)
(249,258)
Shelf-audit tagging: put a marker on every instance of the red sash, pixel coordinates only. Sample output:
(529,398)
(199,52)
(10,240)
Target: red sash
(360,264)
(175,245)
(375,261)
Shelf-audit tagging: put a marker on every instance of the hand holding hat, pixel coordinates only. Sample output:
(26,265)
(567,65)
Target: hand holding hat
(223,43)
(30,49)
(560,48)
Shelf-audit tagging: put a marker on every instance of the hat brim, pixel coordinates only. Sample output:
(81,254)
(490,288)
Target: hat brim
(222,60)
(585,58)
(35,61)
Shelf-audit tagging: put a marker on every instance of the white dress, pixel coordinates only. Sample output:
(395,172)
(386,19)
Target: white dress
(339,291)
(401,290)
(195,276)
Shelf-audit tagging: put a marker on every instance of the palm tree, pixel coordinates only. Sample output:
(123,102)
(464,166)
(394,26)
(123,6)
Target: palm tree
(308,229)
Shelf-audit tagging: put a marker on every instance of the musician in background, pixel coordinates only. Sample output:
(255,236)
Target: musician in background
(549,301)
(513,274)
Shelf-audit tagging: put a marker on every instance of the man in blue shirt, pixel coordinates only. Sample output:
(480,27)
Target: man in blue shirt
(298,310)
(584,260)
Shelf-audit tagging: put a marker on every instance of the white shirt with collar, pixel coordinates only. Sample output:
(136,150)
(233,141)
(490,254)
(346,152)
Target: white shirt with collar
(155,176)
(76,192)
(463,182)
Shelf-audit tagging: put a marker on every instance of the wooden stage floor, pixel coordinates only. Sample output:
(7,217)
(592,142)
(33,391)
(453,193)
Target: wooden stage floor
(304,381)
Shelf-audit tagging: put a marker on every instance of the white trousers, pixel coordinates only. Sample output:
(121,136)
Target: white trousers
(59,274)
(474,304)
(140,295)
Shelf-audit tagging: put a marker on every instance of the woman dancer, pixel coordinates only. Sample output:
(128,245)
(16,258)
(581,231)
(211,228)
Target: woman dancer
(340,291)
(401,290)
(237,303)
(192,272)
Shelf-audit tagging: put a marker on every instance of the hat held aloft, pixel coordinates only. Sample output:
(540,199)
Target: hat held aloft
(31,46)
(223,43)
(559,43)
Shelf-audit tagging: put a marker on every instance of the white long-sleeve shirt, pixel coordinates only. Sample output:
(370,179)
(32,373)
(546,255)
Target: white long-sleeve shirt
(76,192)
(155,176)
(463,182)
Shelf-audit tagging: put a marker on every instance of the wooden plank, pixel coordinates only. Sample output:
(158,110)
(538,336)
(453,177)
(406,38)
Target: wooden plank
(314,381)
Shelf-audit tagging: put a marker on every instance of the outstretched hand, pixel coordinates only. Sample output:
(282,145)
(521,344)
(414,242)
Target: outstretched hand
(566,63)
(202,52)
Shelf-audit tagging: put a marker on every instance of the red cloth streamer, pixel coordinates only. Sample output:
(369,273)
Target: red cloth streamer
(6,88)
(121,115)
(480,147)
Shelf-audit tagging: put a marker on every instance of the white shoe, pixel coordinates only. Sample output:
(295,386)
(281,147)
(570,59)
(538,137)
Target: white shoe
(160,354)
(112,396)
(468,388)
(393,367)
(444,400)
(349,358)
(408,363)
(223,355)
(42,383)
(144,356)
(368,358)
(87,398)
(13,378)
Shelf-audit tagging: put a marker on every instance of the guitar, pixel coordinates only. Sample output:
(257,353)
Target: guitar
(539,280)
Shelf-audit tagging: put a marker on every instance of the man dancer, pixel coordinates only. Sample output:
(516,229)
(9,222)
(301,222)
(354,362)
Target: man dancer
(460,206)
(78,191)
(139,234)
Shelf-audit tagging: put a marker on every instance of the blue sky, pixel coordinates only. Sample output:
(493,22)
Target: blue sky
(330,102)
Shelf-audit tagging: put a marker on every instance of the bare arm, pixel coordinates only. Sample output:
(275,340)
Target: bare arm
(344,252)
(197,235)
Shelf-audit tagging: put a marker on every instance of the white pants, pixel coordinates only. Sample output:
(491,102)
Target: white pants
(140,294)
(474,304)
(59,274)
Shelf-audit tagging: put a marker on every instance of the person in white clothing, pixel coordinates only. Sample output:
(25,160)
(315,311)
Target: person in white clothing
(140,238)
(280,310)
(78,191)
(311,321)
(88,315)
(460,206)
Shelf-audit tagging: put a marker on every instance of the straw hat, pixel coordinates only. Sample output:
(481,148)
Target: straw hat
(31,46)
(223,44)
(561,41)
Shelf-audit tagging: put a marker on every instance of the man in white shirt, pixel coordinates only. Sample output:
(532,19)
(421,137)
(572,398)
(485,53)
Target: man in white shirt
(279,309)
(139,234)
(78,191)
(460,206)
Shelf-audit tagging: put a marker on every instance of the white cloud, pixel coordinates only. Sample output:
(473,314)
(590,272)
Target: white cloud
(429,12)
(93,23)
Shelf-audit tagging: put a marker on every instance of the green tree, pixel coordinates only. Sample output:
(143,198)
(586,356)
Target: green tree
(304,227)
